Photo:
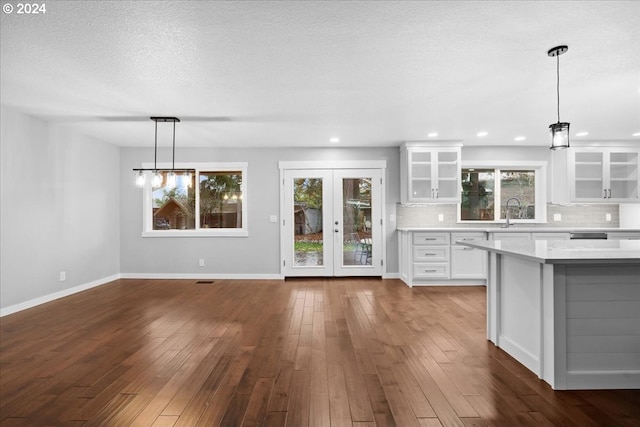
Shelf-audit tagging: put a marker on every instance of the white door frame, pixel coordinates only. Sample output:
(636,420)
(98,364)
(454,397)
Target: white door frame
(335,165)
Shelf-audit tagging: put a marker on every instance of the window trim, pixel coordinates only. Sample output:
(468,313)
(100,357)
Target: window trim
(540,168)
(147,203)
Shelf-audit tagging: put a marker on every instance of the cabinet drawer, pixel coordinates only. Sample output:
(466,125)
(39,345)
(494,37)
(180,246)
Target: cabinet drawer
(468,237)
(430,253)
(507,236)
(430,271)
(550,236)
(430,238)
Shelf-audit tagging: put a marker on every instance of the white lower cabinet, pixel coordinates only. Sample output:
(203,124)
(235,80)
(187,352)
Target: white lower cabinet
(623,235)
(507,235)
(466,262)
(430,255)
(433,258)
(550,236)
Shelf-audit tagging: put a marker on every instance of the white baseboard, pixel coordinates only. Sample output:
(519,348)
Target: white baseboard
(515,350)
(70,291)
(391,276)
(587,380)
(201,276)
(56,295)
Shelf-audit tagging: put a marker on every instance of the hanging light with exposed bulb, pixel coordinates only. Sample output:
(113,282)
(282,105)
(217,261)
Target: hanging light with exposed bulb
(157,177)
(559,130)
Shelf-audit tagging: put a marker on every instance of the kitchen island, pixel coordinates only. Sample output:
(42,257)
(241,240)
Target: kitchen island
(569,310)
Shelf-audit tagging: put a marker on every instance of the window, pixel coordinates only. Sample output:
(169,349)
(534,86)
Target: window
(486,190)
(216,206)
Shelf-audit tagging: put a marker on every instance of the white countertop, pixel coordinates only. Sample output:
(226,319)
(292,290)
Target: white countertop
(520,229)
(564,251)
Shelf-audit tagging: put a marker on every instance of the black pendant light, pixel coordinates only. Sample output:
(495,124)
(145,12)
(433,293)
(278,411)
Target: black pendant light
(156,177)
(560,130)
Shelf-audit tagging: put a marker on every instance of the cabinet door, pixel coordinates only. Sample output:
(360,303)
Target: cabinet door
(605,174)
(588,175)
(432,174)
(420,175)
(622,174)
(447,176)
(466,262)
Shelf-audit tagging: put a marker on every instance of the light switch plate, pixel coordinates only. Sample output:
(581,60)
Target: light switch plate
(557,217)
(440,217)
(607,216)
(273,218)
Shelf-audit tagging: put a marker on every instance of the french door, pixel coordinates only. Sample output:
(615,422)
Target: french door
(332,222)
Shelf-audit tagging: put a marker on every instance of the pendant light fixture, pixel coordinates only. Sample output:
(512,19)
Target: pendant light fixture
(156,174)
(560,130)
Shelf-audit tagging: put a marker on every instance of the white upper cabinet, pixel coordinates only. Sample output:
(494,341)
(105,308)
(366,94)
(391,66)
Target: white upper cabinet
(430,174)
(597,174)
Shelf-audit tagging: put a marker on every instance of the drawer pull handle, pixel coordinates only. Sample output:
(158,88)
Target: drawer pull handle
(467,249)
(429,238)
(429,254)
(430,271)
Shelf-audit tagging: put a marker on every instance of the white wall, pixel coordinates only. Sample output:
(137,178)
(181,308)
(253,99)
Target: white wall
(60,209)
(506,153)
(258,254)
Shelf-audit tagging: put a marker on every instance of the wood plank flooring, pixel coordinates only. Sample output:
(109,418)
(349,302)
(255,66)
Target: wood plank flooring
(301,352)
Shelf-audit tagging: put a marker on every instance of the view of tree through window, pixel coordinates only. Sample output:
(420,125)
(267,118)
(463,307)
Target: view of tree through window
(520,185)
(477,201)
(174,208)
(220,196)
(484,189)
(220,199)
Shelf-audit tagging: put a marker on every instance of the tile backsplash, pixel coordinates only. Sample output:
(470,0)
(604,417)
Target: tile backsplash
(571,216)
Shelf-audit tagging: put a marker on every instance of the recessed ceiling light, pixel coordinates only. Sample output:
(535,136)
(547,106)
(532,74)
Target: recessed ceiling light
(636,134)
(432,134)
(582,133)
(334,140)
(520,138)
(483,133)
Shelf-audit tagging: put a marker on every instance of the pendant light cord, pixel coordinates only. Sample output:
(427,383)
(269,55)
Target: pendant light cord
(173,163)
(558,84)
(155,150)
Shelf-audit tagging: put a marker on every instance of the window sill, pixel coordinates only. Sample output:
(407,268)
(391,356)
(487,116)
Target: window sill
(217,232)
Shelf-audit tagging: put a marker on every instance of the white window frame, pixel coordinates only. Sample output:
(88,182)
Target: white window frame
(147,202)
(540,169)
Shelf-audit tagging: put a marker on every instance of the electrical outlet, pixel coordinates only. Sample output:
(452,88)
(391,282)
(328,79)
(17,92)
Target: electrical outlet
(273,218)
(392,218)
(63,276)
(441,217)
(607,216)
(557,217)
(201,262)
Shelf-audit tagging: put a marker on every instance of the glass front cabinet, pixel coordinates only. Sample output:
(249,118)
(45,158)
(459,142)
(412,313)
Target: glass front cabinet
(604,174)
(430,174)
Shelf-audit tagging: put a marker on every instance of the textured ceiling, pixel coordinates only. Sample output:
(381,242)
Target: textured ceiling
(294,74)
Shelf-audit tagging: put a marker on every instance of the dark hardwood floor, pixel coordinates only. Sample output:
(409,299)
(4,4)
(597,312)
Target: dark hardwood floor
(303,352)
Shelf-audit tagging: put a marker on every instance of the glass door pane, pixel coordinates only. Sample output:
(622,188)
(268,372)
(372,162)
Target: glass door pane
(623,175)
(307,237)
(447,184)
(308,232)
(589,178)
(356,221)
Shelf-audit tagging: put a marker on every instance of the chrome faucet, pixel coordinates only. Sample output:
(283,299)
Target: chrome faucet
(508,223)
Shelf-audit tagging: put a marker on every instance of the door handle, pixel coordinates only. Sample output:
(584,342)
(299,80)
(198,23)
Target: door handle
(336,230)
